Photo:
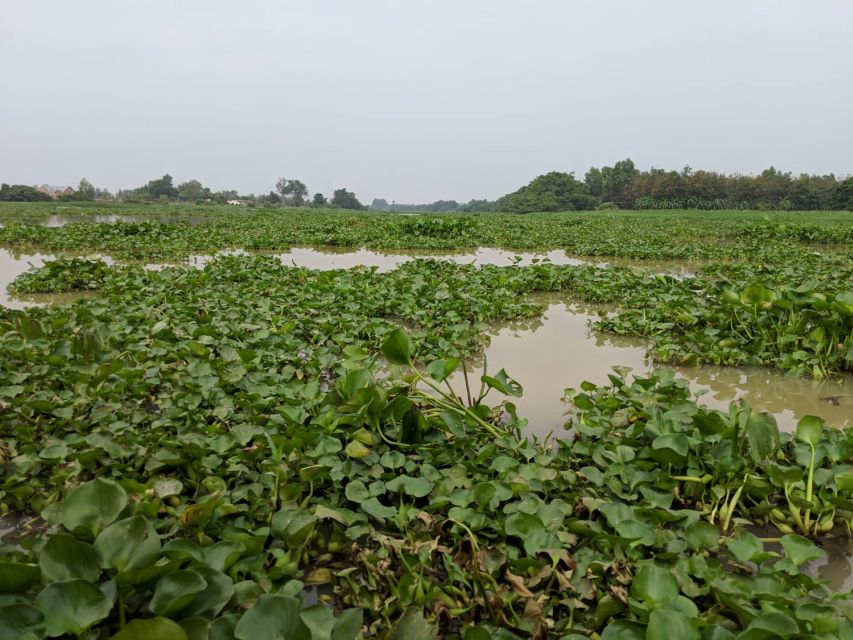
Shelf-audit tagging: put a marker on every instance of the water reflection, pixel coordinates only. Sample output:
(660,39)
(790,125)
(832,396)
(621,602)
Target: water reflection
(558,351)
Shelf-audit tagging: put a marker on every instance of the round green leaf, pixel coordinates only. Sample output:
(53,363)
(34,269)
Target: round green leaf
(810,429)
(128,544)
(214,597)
(624,630)
(654,585)
(672,625)
(21,622)
(92,506)
(72,606)
(64,557)
(17,577)
(522,525)
(800,550)
(440,370)
(701,535)
(348,625)
(397,348)
(151,629)
(671,447)
(778,624)
(272,617)
(174,591)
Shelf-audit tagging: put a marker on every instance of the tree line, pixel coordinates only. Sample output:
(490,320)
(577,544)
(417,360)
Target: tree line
(291,193)
(621,186)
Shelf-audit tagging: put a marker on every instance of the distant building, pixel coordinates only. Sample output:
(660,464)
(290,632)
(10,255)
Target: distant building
(241,203)
(54,192)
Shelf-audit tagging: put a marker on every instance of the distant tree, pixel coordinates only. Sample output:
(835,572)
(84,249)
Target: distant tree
(21,193)
(85,190)
(160,189)
(292,192)
(319,200)
(479,205)
(193,190)
(343,199)
(85,193)
(612,184)
(272,199)
(555,191)
(379,204)
(844,195)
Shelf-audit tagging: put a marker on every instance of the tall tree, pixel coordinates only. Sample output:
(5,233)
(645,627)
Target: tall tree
(343,199)
(292,192)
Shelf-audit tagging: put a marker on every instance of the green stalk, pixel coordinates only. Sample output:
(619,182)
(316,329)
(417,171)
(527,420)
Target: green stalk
(455,405)
(809,489)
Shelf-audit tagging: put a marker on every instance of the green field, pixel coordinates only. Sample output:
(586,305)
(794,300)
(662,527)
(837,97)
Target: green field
(196,448)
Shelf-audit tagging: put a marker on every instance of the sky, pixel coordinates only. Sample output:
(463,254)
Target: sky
(418,100)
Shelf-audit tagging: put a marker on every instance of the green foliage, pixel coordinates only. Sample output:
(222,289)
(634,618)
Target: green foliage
(553,191)
(343,199)
(21,193)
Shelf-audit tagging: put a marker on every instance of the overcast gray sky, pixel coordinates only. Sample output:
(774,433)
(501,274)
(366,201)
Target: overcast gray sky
(415,100)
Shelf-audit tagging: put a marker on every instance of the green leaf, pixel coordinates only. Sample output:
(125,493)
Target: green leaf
(272,617)
(92,506)
(168,487)
(72,606)
(671,625)
(415,487)
(778,624)
(64,557)
(800,550)
(522,525)
(671,447)
(413,626)
(151,629)
(763,436)
(21,622)
(397,348)
(356,449)
(654,585)
(701,535)
(440,370)
(320,621)
(624,630)
(128,544)
(374,508)
(221,555)
(503,383)
(810,430)
(17,577)
(356,491)
(348,625)
(212,599)
(176,590)
(745,546)
(293,525)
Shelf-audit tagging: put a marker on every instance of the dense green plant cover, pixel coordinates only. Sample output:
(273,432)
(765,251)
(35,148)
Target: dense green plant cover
(798,318)
(202,444)
(63,275)
(434,516)
(728,235)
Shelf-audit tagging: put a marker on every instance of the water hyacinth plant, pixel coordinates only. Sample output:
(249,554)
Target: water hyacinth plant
(251,450)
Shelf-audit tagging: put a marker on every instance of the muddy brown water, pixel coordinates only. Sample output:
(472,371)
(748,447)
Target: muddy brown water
(559,351)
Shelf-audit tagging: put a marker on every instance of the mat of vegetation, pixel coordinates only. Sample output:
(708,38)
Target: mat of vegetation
(798,318)
(203,445)
(739,235)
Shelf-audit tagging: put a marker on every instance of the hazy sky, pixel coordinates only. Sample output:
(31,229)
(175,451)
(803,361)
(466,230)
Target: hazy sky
(416,100)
